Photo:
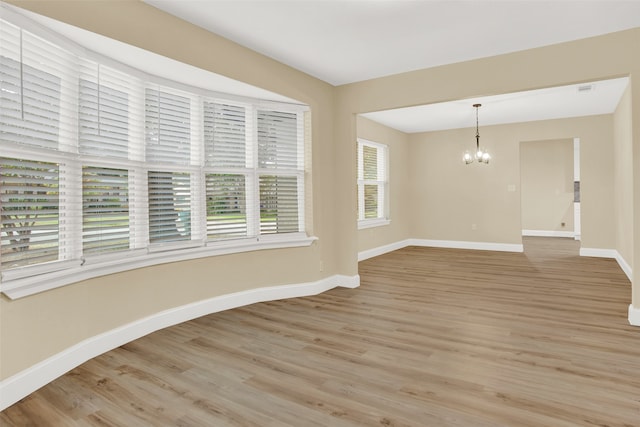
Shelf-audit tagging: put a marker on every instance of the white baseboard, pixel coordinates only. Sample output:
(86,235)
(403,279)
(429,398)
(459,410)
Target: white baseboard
(624,265)
(608,253)
(454,244)
(459,244)
(380,250)
(634,315)
(598,253)
(341,281)
(548,233)
(31,379)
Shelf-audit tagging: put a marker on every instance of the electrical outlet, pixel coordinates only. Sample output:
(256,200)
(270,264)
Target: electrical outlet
(474,227)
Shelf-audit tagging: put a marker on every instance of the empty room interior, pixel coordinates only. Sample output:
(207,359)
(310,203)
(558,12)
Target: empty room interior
(319,213)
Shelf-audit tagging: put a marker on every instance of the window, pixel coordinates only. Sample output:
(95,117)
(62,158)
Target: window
(229,168)
(372,184)
(168,127)
(105,209)
(280,165)
(168,134)
(109,167)
(29,205)
(30,97)
(169,206)
(226,206)
(103,113)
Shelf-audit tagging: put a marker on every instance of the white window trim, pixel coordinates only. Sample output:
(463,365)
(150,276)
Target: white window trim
(23,281)
(383,205)
(373,222)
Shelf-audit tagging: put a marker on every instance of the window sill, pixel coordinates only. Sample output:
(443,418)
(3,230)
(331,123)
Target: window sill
(29,285)
(370,223)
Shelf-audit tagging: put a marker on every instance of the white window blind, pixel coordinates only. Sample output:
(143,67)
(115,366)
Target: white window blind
(372,180)
(280,167)
(37,93)
(228,166)
(279,204)
(30,97)
(169,206)
(278,141)
(102,163)
(168,127)
(226,206)
(105,209)
(103,111)
(29,208)
(225,135)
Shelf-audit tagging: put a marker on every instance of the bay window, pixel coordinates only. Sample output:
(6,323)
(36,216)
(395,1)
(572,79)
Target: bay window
(110,168)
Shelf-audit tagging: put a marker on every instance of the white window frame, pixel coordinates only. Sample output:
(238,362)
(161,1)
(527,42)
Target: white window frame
(382,182)
(72,266)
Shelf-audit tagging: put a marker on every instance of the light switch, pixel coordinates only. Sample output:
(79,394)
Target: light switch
(511,188)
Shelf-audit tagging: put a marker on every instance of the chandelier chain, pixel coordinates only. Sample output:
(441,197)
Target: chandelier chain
(477,128)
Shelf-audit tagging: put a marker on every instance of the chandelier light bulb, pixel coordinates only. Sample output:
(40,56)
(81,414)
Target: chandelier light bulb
(467,157)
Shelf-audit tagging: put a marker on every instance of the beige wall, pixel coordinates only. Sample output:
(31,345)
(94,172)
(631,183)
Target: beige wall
(623,177)
(449,196)
(39,326)
(399,197)
(546,185)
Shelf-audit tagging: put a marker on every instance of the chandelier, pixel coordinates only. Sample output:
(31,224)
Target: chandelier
(481,156)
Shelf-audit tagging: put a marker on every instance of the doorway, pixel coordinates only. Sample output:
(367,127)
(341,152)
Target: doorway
(550,188)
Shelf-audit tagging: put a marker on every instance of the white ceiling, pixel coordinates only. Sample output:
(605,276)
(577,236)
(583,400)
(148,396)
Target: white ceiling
(584,99)
(344,41)
(353,40)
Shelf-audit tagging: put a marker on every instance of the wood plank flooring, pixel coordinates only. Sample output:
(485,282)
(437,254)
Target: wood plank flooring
(433,337)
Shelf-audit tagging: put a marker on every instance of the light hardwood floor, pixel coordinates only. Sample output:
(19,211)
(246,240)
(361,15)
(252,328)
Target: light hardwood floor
(433,337)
